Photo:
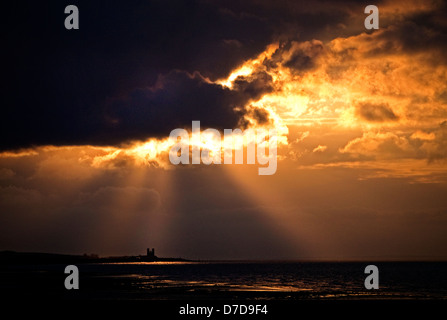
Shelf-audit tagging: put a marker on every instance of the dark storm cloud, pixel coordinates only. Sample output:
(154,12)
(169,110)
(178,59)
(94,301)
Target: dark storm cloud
(412,37)
(254,86)
(260,115)
(70,87)
(177,100)
(60,83)
(301,57)
(63,86)
(303,20)
(436,149)
(421,31)
(375,112)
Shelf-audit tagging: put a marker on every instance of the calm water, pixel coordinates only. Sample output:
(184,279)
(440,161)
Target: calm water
(267,280)
(231,280)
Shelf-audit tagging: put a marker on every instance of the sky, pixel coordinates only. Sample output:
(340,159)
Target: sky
(360,117)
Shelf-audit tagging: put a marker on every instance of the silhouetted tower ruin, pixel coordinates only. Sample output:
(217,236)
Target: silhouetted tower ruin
(151,253)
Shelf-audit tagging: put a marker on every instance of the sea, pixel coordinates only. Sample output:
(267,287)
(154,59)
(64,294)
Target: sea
(268,280)
(176,285)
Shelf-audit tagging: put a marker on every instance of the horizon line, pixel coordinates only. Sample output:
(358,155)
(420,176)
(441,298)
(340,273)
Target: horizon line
(281,259)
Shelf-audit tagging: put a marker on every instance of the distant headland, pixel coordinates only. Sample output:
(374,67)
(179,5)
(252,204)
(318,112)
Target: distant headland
(13,257)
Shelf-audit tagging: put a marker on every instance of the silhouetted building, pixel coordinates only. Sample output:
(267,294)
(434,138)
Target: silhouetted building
(151,253)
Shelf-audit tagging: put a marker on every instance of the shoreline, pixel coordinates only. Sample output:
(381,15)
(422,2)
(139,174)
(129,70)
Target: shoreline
(14,257)
(9,257)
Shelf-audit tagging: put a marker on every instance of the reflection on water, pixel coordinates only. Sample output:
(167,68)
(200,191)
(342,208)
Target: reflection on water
(284,280)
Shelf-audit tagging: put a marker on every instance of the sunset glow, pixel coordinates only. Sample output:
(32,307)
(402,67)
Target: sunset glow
(361,135)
